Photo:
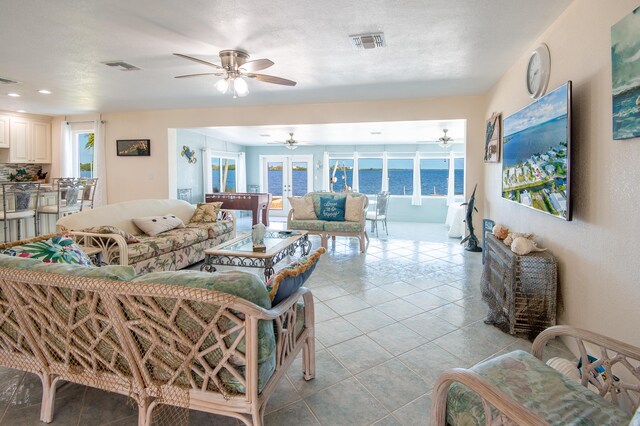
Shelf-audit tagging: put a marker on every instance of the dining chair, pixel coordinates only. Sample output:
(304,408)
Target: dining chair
(379,214)
(19,202)
(69,198)
(88,195)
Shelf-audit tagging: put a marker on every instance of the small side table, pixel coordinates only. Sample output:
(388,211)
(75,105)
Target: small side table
(95,254)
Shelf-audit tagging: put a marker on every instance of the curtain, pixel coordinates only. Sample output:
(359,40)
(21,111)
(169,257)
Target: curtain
(206,171)
(241,172)
(355,185)
(325,172)
(451,181)
(100,163)
(416,199)
(385,172)
(66,150)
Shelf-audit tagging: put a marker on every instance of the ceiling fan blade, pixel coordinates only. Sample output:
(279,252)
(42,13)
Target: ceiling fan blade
(198,75)
(256,65)
(276,143)
(200,61)
(271,79)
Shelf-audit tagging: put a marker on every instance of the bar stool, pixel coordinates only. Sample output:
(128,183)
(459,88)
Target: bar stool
(88,195)
(19,202)
(69,198)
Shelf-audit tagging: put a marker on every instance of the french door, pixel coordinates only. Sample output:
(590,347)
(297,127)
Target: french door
(285,176)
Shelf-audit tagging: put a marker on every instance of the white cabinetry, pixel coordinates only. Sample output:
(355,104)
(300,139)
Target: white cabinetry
(4,131)
(29,141)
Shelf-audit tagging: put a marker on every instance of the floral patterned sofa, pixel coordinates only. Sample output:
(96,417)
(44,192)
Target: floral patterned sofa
(518,388)
(212,342)
(112,229)
(326,229)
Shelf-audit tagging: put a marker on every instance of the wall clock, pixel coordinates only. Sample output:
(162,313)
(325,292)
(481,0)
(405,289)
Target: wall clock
(538,71)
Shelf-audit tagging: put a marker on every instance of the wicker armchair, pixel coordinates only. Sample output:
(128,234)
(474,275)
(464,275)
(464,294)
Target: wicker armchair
(518,388)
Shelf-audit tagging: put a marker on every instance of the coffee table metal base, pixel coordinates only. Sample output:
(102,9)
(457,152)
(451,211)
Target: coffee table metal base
(267,263)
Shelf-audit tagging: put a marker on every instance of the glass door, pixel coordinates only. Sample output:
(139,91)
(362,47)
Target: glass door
(286,176)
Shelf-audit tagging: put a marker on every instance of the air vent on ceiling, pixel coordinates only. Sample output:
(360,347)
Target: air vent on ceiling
(123,65)
(7,81)
(368,41)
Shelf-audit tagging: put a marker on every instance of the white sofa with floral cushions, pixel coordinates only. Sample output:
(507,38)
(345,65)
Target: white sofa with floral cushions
(307,214)
(151,235)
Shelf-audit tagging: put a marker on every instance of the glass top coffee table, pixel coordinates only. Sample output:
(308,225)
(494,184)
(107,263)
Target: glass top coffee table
(239,251)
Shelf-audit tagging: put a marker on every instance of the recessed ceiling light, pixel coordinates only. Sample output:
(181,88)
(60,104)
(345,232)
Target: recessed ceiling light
(13,95)
(376,133)
(21,110)
(265,135)
(44,91)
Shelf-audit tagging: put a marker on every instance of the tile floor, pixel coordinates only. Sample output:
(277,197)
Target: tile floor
(388,322)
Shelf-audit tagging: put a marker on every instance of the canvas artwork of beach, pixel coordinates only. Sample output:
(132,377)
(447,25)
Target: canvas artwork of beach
(625,72)
(535,155)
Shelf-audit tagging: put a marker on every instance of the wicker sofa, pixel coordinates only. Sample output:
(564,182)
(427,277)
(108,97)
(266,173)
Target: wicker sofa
(161,338)
(171,250)
(518,388)
(326,229)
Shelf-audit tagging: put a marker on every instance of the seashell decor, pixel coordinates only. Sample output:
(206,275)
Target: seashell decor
(500,231)
(522,246)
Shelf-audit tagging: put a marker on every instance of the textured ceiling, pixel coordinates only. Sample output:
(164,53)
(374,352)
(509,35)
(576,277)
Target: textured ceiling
(434,48)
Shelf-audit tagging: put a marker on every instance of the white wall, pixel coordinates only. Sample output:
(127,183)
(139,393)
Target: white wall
(598,250)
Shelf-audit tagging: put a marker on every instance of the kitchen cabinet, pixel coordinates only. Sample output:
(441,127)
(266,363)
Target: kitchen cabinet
(29,142)
(4,131)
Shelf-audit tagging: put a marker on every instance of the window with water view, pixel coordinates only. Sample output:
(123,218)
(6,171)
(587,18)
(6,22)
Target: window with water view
(85,162)
(223,174)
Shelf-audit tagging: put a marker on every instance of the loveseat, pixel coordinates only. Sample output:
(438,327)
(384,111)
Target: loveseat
(187,339)
(312,221)
(112,229)
(518,388)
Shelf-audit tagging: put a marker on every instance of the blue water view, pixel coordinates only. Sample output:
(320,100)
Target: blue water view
(230,184)
(535,140)
(400,181)
(626,110)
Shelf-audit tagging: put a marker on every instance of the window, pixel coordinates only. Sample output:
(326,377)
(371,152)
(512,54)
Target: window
(83,155)
(434,175)
(400,176)
(299,178)
(458,167)
(370,175)
(223,174)
(344,169)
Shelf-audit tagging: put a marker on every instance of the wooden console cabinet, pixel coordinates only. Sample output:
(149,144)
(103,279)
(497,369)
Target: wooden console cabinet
(520,290)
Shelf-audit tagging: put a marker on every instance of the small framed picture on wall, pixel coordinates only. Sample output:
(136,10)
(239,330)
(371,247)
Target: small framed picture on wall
(492,139)
(133,147)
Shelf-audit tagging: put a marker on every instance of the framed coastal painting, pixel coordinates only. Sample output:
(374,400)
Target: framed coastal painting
(492,139)
(625,73)
(133,147)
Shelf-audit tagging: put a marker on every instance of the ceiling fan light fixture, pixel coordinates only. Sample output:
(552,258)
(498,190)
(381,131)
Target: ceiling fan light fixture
(240,87)
(291,146)
(222,85)
(445,141)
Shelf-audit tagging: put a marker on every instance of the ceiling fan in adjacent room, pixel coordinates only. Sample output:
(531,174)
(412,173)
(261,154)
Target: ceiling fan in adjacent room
(234,66)
(445,141)
(290,143)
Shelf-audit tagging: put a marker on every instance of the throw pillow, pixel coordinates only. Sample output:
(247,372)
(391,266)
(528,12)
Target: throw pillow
(107,229)
(206,212)
(58,249)
(354,209)
(332,209)
(154,225)
(302,208)
(290,278)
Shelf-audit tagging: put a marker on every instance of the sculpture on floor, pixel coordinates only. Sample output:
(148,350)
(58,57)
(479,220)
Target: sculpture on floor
(471,239)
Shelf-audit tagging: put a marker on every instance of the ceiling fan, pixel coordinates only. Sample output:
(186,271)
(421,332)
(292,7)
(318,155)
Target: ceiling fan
(445,141)
(290,143)
(234,66)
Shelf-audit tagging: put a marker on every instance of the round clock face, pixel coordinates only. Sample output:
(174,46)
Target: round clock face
(538,71)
